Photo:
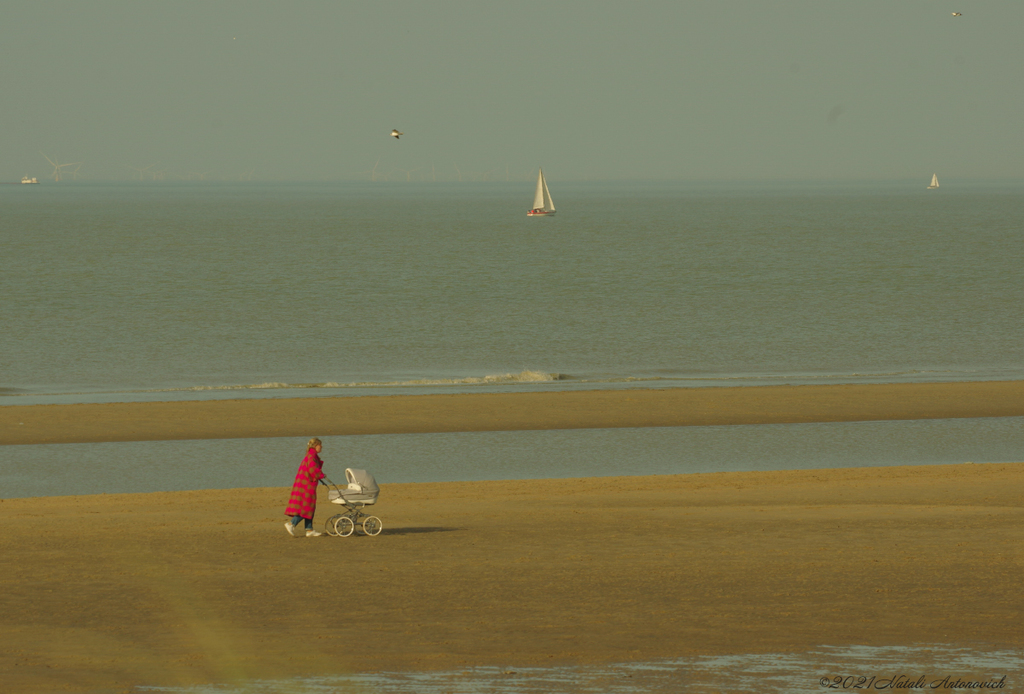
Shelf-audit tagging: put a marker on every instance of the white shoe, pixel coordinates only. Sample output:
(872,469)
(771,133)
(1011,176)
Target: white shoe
(290,528)
(313,533)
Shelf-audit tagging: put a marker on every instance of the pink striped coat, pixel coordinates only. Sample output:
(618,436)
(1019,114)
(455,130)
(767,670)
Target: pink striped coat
(303,499)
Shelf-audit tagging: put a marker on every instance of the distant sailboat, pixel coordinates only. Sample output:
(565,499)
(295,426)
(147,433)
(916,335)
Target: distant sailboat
(542,204)
(935,182)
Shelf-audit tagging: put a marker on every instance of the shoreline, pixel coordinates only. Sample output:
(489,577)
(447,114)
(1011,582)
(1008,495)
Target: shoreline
(179,588)
(394,414)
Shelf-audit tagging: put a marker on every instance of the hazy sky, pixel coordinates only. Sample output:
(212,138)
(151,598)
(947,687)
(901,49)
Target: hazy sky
(699,89)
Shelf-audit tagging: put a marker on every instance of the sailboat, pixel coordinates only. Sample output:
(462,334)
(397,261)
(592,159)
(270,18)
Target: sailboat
(542,204)
(935,182)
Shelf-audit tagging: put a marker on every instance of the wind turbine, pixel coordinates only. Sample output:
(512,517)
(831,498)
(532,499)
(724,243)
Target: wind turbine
(459,171)
(369,172)
(372,173)
(142,172)
(408,171)
(57,167)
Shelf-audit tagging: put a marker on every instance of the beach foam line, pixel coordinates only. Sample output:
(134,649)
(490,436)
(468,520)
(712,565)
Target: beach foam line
(522,377)
(527,377)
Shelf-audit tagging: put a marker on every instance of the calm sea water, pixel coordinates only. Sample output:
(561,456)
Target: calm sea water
(153,466)
(163,291)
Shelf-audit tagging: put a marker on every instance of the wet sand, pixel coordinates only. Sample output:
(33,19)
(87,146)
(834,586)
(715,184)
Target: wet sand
(101,593)
(336,416)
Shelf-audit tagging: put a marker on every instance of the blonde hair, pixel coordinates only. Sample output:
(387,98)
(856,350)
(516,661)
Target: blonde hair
(313,443)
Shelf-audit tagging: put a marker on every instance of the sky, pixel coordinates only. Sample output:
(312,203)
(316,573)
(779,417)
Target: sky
(699,90)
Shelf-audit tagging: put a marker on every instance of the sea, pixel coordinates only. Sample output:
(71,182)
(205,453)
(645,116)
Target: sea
(131,292)
(160,291)
(157,291)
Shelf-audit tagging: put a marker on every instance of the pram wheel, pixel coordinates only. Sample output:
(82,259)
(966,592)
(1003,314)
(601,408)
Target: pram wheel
(329,524)
(343,526)
(372,525)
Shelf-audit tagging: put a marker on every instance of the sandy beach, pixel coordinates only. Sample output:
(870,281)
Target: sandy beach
(102,593)
(404,414)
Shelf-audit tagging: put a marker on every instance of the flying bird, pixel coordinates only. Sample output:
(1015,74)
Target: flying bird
(957,14)
(395,134)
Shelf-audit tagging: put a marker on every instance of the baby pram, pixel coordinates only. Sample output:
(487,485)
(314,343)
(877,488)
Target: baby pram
(362,491)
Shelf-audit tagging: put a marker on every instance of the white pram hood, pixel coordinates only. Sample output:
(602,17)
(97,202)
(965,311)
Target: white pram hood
(362,488)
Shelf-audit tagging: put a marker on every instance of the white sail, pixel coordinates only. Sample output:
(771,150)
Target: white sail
(549,204)
(935,181)
(538,198)
(542,203)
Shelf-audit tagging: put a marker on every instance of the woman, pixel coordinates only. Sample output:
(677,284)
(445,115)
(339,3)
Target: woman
(302,504)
